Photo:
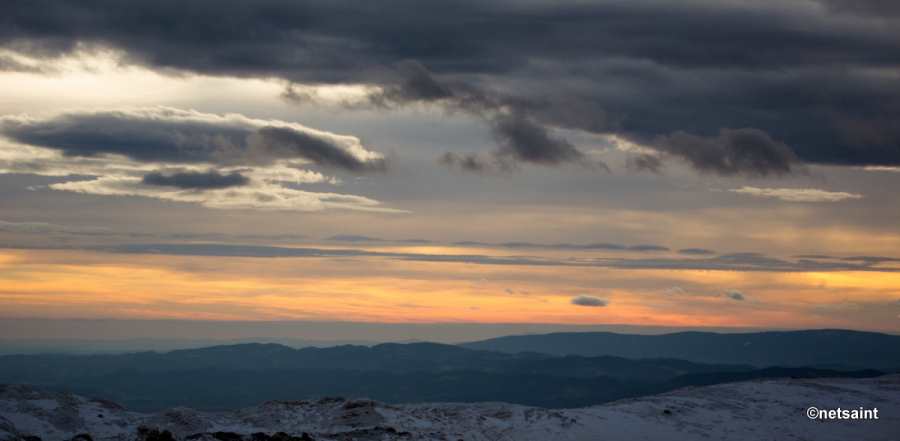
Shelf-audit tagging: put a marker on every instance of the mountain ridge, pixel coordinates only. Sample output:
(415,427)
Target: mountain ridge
(836,348)
(226,377)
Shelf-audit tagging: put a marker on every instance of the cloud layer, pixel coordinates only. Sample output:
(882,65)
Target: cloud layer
(164,134)
(704,84)
(797,194)
(220,161)
(748,262)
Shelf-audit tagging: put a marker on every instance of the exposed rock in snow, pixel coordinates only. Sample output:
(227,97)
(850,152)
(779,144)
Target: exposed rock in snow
(772,410)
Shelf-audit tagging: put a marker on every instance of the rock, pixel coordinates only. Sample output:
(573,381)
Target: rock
(152,434)
(227,436)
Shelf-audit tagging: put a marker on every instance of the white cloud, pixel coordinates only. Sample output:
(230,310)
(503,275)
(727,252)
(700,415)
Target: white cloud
(882,168)
(259,195)
(797,194)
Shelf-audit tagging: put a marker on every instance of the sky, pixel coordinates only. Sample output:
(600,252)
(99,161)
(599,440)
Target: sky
(649,163)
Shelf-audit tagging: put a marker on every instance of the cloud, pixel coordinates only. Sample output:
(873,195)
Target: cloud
(871,259)
(735,295)
(11,64)
(477,163)
(749,152)
(645,162)
(875,168)
(164,134)
(589,301)
(93,232)
(695,251)
(648,248)
(520,138)
(263,196)
(731,294)
(797,194)
(591,66)
(569,246)
(210,179)
(864,7)
(287,141)
(674,291)
(218,161)
(354,238)
(48,228)
(745,262)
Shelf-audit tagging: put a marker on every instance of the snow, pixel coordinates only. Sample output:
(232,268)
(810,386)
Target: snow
(767,409)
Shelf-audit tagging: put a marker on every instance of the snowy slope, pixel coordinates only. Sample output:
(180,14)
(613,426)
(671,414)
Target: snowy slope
(757,410)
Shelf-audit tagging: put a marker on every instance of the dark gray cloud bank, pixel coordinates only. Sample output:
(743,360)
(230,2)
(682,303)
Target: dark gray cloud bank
(197,180)
(221,161)
(168,135)
(730,87)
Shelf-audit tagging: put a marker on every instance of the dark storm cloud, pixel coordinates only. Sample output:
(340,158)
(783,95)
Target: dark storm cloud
(418,84)
(195,180)
(740,151)
(730,87)
(645,162)
(180,136)
(287,142)
(695,251)
(865,7)
(520,138)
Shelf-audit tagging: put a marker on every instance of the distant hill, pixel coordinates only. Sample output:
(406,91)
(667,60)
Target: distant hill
(837,349)
(228,377)
(388,358)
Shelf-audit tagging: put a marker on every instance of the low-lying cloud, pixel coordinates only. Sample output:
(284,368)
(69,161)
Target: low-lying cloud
(589,301)
(169,135)
(797,194)
(734,295)
(731,262)
(218,161)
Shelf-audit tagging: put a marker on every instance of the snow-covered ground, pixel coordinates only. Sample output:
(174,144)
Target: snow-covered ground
(755,410)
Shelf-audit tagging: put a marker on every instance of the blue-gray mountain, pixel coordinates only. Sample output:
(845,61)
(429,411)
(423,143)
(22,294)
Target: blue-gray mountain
(827,348)
(227,377)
